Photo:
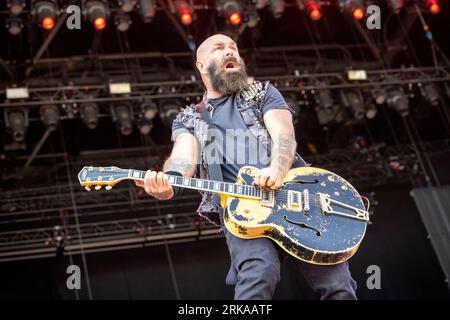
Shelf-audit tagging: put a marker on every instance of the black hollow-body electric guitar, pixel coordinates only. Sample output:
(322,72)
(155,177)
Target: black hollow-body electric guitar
(316,215)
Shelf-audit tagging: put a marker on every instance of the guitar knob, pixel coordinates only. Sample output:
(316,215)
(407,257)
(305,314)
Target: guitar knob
(108,188)
(98,187)
(87,188)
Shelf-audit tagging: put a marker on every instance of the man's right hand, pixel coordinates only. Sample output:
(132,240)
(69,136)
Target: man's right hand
(157,185)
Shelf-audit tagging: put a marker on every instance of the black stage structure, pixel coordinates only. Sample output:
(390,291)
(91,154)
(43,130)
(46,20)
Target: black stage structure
(373,105)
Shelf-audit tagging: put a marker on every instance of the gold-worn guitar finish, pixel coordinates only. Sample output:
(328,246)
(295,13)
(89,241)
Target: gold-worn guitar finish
(316,216)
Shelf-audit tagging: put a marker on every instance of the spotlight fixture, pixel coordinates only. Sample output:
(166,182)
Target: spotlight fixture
(168,111)
(434,7)
(379,95)
(45,13)
(122,21)
(17,122)
(184,12)
(398,101)
(232,10)
(252,17)
(354,7)
(396,5)
(89,114)
(145,126)
(147,10)
(277,7)
(97,12)
(14,25)
(149,110)
(50,116)
(430,92)
(371,111)
(324,99)
(15,6)
(126,5)
(354,100)
(123,115)
(313,9)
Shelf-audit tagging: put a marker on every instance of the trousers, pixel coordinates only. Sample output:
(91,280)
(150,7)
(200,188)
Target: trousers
(255,271)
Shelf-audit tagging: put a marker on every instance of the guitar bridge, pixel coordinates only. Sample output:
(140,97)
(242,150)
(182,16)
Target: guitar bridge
(325,206)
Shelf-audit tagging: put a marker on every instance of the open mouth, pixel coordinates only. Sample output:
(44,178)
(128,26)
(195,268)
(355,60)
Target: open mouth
(230,65)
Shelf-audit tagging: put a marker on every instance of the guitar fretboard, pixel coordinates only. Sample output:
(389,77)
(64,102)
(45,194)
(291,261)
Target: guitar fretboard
(205,185)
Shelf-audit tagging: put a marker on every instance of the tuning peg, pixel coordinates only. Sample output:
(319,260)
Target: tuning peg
(98,187)
(87,188)
(108,188)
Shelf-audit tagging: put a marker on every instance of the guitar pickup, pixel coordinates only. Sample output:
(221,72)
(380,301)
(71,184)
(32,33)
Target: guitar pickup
(267,198)
(295,201)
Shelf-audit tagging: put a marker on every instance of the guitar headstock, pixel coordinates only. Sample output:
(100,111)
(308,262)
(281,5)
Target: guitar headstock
(101,176)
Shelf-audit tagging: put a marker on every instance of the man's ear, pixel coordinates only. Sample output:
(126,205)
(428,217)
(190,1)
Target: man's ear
(200,66)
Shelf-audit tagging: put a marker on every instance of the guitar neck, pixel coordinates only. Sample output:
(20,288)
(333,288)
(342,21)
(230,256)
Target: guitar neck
(228,188)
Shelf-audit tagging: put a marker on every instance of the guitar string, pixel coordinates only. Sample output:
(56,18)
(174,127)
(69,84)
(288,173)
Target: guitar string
(277,196)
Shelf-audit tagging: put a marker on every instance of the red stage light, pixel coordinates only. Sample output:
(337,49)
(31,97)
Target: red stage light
(433,6)
(314,11)
(235,18)
(185,14)
(358,13)
(100,23)
(48,23)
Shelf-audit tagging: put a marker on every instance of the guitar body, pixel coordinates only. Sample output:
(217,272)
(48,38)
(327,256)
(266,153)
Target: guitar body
(301,227)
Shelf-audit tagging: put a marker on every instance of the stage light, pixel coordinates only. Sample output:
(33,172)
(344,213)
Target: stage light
(354,100)
(371,111)
(277,7)
(122,22)
(355,7)
(145,126)
(379,95)
(89,114)
(15,6)
(17,123)
(123,115)
(358,13)
(396,5)
(149,110)
(184,12)
(313,10)
(398,101)
(232,11)
(333,115)
(14,25)
(252,17)
(433,6)
(431,93)
(147,10)
(126,5)
(45,13)
(50,116)
(97,13)
(168,111)
(324,99)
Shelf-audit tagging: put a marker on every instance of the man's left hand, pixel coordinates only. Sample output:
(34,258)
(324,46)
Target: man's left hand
(269,177)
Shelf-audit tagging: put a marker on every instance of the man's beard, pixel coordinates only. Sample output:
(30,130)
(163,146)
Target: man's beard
(228,82)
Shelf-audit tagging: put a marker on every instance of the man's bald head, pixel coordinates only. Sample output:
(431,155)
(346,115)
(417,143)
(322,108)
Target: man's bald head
(206,45)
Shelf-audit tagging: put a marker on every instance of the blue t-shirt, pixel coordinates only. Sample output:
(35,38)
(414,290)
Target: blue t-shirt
(235,145)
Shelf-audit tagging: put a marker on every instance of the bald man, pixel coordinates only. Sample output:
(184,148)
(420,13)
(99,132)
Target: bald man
(255,263)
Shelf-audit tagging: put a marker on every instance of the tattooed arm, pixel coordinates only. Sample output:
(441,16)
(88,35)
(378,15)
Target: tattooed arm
(183,160)
(279,124)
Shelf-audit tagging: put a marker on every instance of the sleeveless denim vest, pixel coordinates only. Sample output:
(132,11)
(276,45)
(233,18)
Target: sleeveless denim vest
(249,102)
